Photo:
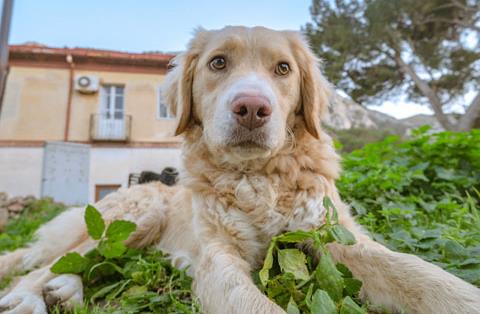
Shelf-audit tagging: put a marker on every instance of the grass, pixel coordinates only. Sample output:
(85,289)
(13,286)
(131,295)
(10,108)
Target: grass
(419,196)
(19,231)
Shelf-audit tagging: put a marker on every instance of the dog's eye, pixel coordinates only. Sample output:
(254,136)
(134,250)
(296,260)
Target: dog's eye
(218,63)
(282,68)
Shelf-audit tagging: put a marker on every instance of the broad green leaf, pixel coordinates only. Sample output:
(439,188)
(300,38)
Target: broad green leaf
(72,263)
(263,274)
(445,174)
(293,261)
(346,273)
(95,223)
(421,166)
(294,237)
(331,210)
(342,235)
(429,207)
(359,208)
(329,278)
(350,307)
(111,249)
(120,230)
(454,250)
(352,286)
(322,303)
(470,275)
(292,307)
(469,262)
(327,203)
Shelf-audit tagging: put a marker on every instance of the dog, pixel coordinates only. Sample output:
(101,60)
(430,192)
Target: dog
(256,163)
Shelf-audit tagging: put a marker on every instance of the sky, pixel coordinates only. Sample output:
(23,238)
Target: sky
(147,25)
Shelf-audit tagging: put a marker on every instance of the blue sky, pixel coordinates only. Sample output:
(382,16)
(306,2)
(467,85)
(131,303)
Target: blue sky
(143,25)
(147,25)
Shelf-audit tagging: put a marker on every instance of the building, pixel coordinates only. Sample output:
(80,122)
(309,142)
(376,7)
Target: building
(76,123)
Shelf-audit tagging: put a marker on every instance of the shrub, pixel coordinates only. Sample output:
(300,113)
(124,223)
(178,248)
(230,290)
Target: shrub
(421,196)
(356,138)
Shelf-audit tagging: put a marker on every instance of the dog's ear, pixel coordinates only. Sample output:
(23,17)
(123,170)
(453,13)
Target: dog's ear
(177,89)
(315,91)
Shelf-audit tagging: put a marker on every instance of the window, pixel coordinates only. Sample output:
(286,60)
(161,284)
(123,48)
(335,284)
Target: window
(111,123)
(102,190)
(112,102)
(163,111)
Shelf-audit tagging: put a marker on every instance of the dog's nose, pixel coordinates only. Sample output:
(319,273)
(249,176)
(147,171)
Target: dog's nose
(252,111)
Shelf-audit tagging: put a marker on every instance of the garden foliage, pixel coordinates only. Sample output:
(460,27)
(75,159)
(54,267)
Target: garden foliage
(420,196)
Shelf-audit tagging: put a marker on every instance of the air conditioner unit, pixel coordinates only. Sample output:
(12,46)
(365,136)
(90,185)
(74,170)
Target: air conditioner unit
(87,84)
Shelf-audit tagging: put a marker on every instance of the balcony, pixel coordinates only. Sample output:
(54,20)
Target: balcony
(110,127)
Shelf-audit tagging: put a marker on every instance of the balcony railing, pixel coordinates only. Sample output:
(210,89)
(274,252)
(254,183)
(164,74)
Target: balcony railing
(110,127)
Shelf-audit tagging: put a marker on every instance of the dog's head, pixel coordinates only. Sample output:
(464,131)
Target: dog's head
(246,87)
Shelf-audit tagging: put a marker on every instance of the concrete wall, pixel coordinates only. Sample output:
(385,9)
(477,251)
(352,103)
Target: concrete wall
(113,165)
(21,170)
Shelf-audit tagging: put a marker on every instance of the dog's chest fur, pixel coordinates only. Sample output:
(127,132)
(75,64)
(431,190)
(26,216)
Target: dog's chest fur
(250,205)
(253,211)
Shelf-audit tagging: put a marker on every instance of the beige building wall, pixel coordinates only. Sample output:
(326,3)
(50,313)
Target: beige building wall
(36,99)
(34,104)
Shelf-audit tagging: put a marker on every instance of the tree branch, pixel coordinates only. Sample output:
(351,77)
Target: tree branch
(460,5)
(472,113)
(471,25)
(426,90)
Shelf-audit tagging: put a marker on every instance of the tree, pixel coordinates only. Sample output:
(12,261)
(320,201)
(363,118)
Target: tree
(428,50)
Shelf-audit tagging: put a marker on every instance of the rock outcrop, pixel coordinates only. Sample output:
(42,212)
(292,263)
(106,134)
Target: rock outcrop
(345,114)
(12,207)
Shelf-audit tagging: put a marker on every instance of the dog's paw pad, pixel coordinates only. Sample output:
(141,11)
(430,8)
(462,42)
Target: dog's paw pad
(65,290)
(22,302)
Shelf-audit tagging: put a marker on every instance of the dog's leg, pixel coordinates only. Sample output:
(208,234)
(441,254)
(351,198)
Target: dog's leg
(65,290)
(27,295)
(404,282)
(53,239)
(224,285)
(12,262)
(56,237)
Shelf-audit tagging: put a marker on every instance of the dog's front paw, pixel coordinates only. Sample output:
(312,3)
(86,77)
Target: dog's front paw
(65,290)
(22,302)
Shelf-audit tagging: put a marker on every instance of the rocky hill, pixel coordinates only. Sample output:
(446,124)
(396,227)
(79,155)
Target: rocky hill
(345,114)
(424,119)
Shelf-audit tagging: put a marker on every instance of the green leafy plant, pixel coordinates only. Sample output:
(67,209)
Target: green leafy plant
(418,196)
(125,280)
(421,196)
(110,245)
(310,283)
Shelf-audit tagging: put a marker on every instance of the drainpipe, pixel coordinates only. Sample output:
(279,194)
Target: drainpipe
(4,31)
(69,60)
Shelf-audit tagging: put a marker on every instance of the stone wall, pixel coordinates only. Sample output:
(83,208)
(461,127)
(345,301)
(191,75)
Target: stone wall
(12,207)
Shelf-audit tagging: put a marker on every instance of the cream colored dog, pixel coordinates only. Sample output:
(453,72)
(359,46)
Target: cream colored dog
(256,163)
